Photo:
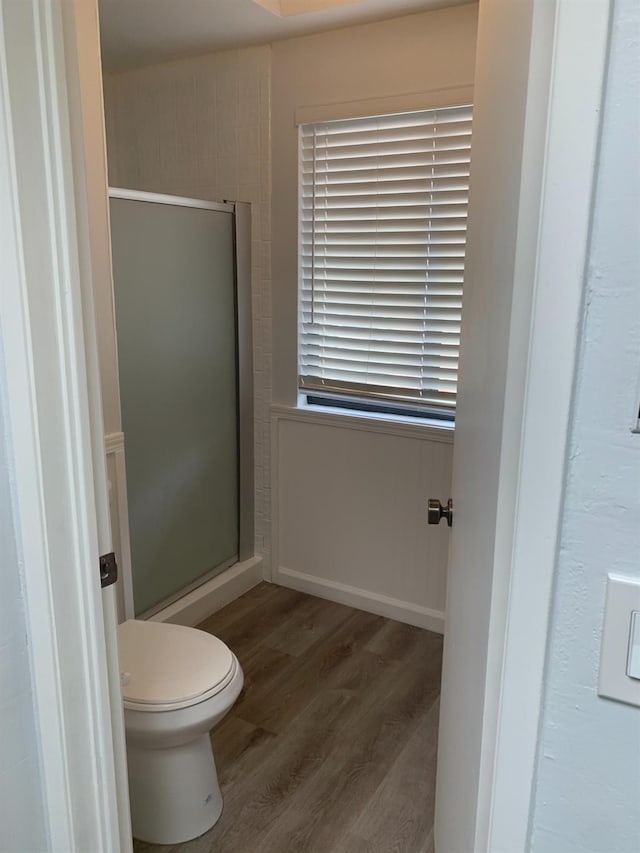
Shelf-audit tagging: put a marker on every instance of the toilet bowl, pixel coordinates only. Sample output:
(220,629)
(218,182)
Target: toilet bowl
(177,684)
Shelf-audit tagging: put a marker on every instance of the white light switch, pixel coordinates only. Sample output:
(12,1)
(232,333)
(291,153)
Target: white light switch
(633,662)
(620,651)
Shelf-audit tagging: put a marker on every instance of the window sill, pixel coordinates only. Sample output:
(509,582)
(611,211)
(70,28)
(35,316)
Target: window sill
(399,425)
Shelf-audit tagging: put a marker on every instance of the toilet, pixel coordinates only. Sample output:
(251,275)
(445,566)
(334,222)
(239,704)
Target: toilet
(177,684)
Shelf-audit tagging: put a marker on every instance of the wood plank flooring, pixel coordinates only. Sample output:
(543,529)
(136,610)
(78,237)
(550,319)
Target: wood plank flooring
(331,747)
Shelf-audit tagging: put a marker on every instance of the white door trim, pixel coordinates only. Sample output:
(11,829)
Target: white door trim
(576,42)
(117,474)
(50,401)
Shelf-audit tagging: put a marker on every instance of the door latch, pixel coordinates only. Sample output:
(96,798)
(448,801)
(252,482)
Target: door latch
(108,569)
(436,512)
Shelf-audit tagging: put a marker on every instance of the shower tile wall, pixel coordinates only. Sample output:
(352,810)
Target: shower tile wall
(201,128)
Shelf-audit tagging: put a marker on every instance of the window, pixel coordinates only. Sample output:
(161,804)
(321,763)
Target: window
(383,213)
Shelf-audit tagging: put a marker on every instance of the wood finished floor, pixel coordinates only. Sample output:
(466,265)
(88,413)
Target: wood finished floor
(331,747)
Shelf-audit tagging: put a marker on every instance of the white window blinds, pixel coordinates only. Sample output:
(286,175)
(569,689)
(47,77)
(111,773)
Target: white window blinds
(383,217)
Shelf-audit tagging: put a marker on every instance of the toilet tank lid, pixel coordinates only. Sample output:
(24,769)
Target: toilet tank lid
(163,664)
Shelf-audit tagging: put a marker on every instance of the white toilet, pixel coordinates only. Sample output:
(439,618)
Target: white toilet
(177,683)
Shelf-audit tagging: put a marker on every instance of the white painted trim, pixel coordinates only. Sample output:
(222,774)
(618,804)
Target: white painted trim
(579,63)
(450,96)
(89,163)
(116,468)
(200,603)
(364,423)
(113,442)
(48,393)
(372,602)
(176,200)
(277,412)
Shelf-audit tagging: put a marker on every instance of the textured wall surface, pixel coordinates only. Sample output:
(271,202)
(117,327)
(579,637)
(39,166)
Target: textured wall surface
(21,813)
(201,128)
(588,786)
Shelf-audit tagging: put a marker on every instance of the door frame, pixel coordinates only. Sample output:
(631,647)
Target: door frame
(567,49)
(55,430)
(523,616)
(49,354)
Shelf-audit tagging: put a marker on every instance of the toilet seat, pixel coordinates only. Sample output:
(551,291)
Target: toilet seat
(166,667)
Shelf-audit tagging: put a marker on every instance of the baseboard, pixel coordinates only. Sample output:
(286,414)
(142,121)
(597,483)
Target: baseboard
(382,605)
(197,605)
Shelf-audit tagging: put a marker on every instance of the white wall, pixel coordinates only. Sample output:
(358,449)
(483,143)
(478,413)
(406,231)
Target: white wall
(21,814)
(588,779)
(349,510)
(200,127)
(350,513)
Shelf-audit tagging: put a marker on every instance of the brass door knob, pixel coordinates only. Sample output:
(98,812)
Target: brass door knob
(436,512)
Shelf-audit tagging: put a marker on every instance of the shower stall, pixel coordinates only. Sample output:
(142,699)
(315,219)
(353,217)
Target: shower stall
(181,270)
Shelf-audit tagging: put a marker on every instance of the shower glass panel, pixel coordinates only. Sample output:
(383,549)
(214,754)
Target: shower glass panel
(175,301)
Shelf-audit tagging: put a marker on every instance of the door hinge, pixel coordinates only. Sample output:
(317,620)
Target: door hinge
(108,569)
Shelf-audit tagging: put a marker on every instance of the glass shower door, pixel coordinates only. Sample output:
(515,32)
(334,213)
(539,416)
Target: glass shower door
(174,284)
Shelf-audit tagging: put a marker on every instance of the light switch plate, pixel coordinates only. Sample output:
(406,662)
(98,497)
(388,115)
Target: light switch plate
(616,657)
(633,661)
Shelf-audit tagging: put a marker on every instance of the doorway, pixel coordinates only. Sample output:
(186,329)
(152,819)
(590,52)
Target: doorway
(587,169)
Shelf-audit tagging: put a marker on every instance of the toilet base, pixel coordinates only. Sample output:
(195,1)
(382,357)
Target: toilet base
(174,792)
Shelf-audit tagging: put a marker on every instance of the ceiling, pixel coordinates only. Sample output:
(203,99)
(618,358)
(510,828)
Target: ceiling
(141,32)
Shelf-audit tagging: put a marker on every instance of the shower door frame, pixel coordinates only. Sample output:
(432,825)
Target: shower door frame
(241,213)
